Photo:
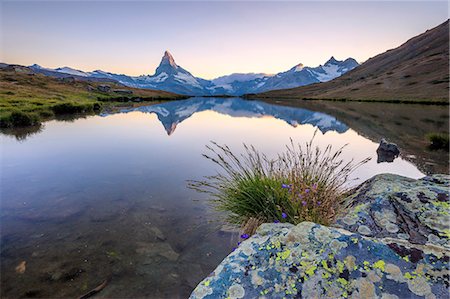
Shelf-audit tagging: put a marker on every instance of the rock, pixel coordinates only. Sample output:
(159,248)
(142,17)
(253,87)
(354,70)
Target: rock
(67,79)
(391,206)
(158,233)
(387,152)
(157,249)
(20,269)
(123,91)
(314,261)
(391,243)
(90,88)
(104,88)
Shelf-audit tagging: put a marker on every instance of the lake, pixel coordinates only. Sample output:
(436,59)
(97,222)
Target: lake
(105,196)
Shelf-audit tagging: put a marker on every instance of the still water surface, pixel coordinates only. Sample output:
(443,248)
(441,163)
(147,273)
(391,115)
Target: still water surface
(105,197)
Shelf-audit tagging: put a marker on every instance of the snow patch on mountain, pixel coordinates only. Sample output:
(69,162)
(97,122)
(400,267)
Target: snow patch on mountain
(237,77)
(186,78)
(71,71)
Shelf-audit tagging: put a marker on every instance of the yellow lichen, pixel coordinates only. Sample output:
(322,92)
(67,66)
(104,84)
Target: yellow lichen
(445,233)
(340,266)
(379,265)
(342,281)
(325,266)
(310,271)
(441,204)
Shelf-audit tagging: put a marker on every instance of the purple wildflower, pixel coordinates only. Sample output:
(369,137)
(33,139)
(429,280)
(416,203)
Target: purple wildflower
(304,203)
(283,215)
(314,187)
(239,243)
(244,236)
(318,203)
(285,186)
(307,190)
(276,221)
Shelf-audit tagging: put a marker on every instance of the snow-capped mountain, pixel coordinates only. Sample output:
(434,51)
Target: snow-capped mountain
(172,113)
(169,76)
(71,71)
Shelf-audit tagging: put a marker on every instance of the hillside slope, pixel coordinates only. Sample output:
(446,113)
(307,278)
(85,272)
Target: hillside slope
(418,70)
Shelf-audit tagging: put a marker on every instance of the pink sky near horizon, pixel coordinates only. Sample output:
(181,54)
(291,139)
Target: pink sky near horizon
(209,39)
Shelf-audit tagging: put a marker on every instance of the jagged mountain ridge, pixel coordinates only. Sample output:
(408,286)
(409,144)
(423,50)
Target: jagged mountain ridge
(170,114)
(417,70)
(169,76)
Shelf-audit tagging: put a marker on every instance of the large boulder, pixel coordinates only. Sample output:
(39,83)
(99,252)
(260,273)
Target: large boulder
(391,243)
(391,206)
(104,88)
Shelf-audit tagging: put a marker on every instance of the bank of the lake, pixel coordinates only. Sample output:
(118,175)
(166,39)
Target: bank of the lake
(28,98)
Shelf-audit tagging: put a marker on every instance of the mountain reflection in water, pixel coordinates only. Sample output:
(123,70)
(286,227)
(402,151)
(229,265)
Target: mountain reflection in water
(170,114)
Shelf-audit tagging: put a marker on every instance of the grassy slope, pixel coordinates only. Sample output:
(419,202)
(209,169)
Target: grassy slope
(35,94)
(417,71)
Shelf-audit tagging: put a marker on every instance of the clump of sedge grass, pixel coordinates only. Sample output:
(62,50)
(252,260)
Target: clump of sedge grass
(438,141)
(304,183)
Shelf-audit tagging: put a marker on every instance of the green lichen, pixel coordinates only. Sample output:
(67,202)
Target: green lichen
(342,281)
(311,270)
(379,265)
(441,204)
(284,254)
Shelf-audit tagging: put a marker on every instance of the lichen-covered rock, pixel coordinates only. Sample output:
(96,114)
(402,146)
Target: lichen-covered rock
(314,261)
(391,206)
(391,243)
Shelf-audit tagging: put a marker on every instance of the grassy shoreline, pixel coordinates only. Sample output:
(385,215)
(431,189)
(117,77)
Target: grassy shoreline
(27,98)
(390,101)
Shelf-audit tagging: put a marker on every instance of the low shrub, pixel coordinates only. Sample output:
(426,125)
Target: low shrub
(46,114)
(304,183)
(438,141)
(19,119)
(71,108)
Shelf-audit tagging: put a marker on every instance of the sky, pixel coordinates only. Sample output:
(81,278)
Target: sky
(208,38)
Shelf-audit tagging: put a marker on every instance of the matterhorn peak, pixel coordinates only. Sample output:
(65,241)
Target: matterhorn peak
(168,59)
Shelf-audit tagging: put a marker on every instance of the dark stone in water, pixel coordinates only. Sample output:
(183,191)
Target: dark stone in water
(387,151)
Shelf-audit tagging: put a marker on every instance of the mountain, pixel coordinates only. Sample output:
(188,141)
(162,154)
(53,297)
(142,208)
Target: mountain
(415,71)
(169,76)
(170,114)
(300,75)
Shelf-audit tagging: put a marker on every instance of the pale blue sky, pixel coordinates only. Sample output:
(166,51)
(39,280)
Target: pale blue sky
(207,38)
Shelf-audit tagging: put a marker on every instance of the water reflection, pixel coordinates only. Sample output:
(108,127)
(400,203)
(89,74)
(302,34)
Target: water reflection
(106,197)
(170,114)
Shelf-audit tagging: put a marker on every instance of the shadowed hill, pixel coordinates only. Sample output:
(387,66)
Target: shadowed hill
(418,70)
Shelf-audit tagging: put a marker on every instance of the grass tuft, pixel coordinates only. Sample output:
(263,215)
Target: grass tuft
(438,141)
(304,183)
